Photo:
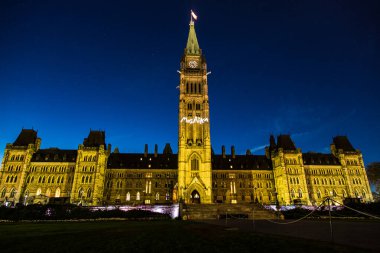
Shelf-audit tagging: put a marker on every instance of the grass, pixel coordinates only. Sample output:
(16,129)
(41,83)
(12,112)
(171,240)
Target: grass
(147,236)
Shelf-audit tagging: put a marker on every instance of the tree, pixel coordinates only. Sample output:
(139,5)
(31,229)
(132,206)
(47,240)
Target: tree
(373,174)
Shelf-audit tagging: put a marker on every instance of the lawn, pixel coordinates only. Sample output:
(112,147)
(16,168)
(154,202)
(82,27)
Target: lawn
(147,236)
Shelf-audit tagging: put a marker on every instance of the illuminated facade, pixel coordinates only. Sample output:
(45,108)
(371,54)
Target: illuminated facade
(93,175)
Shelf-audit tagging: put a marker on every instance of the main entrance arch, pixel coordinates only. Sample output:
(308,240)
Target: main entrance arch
(195,197)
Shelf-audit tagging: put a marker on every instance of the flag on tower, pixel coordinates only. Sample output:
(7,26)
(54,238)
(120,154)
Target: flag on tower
(193,15)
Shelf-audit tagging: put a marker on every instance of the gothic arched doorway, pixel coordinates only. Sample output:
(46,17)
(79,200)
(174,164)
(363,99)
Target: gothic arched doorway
(195,197)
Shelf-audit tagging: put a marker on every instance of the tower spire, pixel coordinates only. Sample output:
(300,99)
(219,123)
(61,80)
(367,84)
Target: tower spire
(192,46)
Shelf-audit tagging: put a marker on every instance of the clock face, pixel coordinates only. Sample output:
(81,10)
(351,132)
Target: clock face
(193,64)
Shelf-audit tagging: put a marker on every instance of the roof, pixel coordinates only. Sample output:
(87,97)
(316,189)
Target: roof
(95,139)
(319,159)
(241,162)
(342,142)
(285,142)
(26,137)
(192,46)
(55,155)
(139,161)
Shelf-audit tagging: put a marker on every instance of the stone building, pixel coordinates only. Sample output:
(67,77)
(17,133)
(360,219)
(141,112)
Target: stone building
(94,175)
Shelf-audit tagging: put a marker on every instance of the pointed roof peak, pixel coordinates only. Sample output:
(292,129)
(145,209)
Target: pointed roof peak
(192,46)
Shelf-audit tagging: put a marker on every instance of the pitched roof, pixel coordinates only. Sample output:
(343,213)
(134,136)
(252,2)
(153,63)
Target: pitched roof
(342,142)
(285,142)
(139,161)
(319,159)
(192,46)
(95,139)
(26,137)
(55,155)
(241,162)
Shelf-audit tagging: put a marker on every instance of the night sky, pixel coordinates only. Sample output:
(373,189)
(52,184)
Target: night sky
(306,68)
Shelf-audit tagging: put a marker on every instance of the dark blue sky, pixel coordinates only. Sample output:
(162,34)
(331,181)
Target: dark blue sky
(307,68)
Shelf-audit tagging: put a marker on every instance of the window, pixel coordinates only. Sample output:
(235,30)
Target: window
(128,197)
(167,196)
(138,196)
(319,194)
(80,193)
(292,194)
(13,193)
(189,106)
(299,193)
(3,192)
(38,192)
(194,164)
(57,193)
(89,193)
(157,196)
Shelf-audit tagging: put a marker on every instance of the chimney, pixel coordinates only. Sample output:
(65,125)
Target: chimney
(248,152)
(155,150)
(233,151)
(223,151)
(146,150)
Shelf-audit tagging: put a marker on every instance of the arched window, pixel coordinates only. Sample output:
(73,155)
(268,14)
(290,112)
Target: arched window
(57,193)
(319,195)
(167,196)
(299,193)
(138,196)
(7,179)
(48,192)
(363,193)
(82,179)
(292,194)
(194,164)
(356,194)
(157,196)
(344,193)
(128,198)
(52,180)
(38,193)
(89,193)
(80,193)
(13,193)
(3,192)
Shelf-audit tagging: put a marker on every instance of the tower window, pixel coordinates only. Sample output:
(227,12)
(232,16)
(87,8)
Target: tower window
(197,107)
(189,106)
(194,164)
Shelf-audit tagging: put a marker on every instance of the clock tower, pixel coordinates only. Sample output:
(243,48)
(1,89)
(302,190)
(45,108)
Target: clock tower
(194,144)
